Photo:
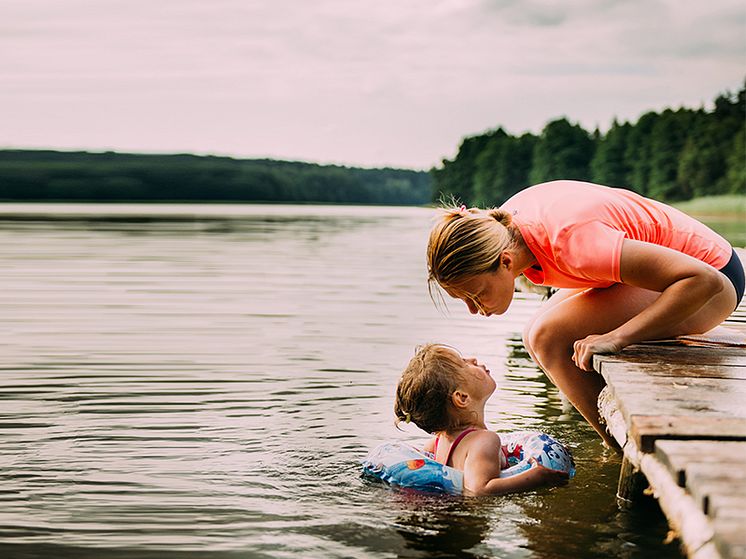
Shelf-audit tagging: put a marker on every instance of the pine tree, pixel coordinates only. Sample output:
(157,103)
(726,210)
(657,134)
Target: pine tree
(638,152)
(456,178)
(503,168)
(564,151)
(735,176)
(609,165)
(667,140)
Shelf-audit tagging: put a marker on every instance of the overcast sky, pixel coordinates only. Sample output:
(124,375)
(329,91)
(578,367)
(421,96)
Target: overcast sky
(357,82)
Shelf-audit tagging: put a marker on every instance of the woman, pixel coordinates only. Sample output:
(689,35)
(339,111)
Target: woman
(628,269)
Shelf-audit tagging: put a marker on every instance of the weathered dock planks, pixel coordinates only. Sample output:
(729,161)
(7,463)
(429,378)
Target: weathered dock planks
(679,413)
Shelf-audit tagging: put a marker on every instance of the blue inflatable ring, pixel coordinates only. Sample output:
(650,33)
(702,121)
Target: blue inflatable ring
(402,465)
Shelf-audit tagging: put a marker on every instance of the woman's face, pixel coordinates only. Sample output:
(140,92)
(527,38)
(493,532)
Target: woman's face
(486,294)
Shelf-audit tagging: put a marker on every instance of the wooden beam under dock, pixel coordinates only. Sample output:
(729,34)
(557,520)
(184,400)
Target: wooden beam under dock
(679,414)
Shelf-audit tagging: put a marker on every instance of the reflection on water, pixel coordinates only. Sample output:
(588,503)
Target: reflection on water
(438,526)
(190,383)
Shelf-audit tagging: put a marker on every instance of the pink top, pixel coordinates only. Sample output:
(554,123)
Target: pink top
(575,230)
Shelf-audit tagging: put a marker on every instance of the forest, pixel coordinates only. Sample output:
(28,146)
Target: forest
(36,175)
(673,155)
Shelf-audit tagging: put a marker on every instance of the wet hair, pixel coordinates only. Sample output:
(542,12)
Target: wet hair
(466,242)
(423,395)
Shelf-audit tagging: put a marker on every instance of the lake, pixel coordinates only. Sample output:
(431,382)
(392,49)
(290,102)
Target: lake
(203,381)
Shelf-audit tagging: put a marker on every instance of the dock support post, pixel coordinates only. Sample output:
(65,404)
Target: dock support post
(632,483)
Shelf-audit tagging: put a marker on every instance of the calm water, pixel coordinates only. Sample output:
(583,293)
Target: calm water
(202,381)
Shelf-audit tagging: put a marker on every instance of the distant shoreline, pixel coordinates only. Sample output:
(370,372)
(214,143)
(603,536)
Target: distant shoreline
(87,177)
(723,206)
(726,207)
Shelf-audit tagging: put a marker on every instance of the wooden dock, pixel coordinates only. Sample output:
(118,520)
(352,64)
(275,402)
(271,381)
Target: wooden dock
(679,413)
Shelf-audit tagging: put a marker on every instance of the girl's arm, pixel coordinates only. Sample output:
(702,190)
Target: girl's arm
(685,284)
(482,470)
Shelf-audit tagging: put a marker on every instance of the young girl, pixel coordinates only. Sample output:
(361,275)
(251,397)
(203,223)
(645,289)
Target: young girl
(444,394)
(629,269)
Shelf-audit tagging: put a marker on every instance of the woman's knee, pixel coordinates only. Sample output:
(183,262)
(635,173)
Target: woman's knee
(548,341)
(526,336)
(537,333)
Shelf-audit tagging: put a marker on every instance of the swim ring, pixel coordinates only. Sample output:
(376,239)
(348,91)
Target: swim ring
(402,465)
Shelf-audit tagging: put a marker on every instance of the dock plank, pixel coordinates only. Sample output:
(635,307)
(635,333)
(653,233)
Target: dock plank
(633,381)
(730,538)
(679,455)
(702,493)
(677,370)
(678,355)
(704,488)
(645,430)
(727,506)
(654,406)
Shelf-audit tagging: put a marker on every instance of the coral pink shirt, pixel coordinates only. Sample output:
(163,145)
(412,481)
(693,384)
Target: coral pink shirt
(575,230)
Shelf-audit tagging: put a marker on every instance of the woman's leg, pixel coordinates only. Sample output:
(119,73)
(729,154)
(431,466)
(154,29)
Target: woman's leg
(553,301)
(552,332)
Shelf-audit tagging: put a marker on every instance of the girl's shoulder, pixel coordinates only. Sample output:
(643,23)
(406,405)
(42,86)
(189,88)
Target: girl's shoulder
(481,440)
(481,445)
(484,436)
(472,443)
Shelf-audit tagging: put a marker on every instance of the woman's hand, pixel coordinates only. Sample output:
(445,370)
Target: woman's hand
(547,475)
(583,350)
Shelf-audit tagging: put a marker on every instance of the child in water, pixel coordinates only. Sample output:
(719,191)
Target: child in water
(445,394)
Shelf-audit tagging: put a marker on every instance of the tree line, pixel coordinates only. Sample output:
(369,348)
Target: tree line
(41,175)
(672,155)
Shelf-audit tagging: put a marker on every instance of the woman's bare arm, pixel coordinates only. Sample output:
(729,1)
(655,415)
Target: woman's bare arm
(686,285)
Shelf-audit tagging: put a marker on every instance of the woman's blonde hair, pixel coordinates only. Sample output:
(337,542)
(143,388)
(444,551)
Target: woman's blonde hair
(423,395)
(466,242)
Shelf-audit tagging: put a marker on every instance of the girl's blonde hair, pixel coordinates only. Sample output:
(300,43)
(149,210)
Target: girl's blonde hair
(423,395)
(466,242)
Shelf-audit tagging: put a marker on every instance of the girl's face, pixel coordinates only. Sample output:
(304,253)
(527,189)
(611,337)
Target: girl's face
(479,383)
(476,378)
(486,294)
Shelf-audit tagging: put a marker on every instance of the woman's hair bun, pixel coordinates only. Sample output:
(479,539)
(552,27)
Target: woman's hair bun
(500,216)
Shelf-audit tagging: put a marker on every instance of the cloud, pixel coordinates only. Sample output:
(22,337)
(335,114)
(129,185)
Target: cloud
(369,82)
